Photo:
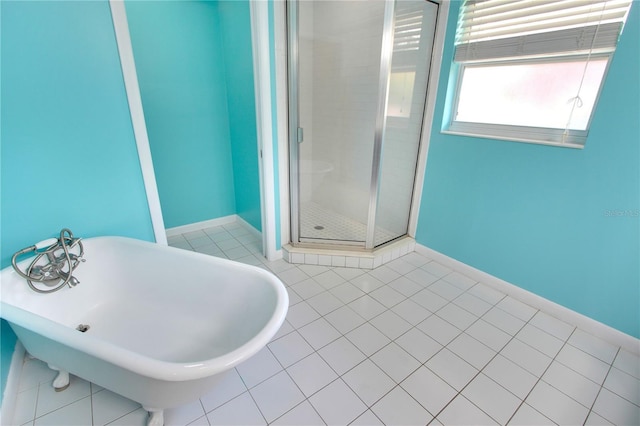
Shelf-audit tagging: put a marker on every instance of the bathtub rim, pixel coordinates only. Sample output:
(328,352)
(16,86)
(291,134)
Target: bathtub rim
(142,364)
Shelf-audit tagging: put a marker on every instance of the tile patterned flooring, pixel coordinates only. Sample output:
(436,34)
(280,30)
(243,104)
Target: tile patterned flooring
(409,343)
(336,226)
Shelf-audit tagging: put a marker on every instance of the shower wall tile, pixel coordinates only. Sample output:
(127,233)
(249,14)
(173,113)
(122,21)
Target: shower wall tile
(366,263)
(339,261)
(352,262)
(311,259)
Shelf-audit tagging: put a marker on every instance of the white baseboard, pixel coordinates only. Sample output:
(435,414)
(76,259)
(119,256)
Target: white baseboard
(10,395)
(218,222)
(171,232)
(276,255)
(247,225)
(591,326)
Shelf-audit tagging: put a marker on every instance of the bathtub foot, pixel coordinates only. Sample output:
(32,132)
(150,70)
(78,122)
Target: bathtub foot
(61,382)
(156,416)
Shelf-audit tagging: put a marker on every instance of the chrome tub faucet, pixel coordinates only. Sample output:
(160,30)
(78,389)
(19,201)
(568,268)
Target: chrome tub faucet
(54,263)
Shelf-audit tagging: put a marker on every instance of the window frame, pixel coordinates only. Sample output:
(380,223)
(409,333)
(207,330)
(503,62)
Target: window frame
(496,32)
(569,138)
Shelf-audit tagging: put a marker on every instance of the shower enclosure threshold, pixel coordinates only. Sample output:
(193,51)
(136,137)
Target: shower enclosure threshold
(349,258)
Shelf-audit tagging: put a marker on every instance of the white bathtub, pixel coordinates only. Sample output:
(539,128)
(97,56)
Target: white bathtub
(164,322)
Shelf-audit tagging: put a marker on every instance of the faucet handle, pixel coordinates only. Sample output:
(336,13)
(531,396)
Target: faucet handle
(77,257)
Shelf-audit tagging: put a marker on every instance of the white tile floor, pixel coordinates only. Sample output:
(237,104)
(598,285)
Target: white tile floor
(408,343)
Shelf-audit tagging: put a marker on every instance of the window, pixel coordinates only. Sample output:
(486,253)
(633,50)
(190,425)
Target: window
(410,44)
(531,70)
(400,93)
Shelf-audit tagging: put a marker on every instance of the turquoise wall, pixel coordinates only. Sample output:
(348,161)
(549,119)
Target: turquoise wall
(195,70)
(180,64)
(238,60)
(540,217)
(7,344)
(68,155)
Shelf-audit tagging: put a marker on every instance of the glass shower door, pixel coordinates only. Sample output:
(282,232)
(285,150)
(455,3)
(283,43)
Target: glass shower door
(414,34)
(339,44)
(358,81)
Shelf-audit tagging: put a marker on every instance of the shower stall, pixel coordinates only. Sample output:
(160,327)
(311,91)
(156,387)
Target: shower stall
(357,75)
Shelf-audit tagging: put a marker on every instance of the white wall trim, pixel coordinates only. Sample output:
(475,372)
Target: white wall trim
(429,113)
(125,50)
(250,227)
(10,395)
(282,115)
(277,255)
(563,313)
(259,11)
(225,220)
(177,230)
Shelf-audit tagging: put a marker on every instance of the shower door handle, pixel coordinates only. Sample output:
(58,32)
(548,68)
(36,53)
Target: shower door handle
(300,135)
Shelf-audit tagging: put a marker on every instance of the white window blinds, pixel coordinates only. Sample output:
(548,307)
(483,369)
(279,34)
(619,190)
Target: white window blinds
(501,29)
(408,27)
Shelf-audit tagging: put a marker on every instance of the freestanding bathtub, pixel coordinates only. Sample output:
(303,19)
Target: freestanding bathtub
(163,323)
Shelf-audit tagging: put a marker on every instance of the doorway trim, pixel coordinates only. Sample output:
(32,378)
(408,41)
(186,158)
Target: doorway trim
(262,86)
(132,88)
(264,124)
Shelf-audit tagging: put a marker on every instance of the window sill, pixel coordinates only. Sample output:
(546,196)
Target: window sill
(513,138)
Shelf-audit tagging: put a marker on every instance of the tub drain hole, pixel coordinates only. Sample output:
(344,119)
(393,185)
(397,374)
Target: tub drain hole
(82,328)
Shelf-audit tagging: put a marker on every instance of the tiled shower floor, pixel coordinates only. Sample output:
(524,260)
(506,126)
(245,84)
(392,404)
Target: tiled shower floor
(408,343)
(335,226)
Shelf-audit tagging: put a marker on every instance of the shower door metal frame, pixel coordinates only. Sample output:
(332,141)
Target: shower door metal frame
(294,117)
(386,54)
(295,131)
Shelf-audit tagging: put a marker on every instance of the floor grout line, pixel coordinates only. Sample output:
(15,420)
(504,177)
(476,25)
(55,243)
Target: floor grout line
(388,300)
